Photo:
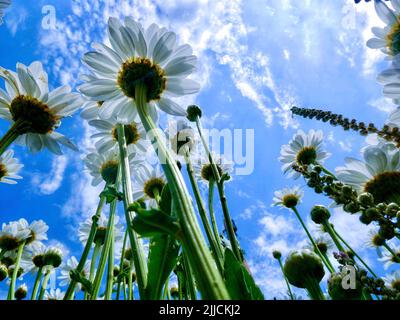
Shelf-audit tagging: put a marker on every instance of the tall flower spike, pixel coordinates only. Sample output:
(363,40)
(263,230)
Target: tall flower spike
(9,168)
(137,54)
(34,111)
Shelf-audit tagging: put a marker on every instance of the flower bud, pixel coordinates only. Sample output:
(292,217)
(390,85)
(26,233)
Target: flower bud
(301,266)
(337,291)
(392,209)
(21,292)
(174,292)
(366,199)
(276,254)
(319,214)
(193,112)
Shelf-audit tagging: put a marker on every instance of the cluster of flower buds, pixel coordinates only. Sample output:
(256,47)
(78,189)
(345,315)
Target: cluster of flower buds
(376,286)
(387,133)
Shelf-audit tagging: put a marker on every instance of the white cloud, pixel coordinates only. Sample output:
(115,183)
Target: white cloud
(16,18)
(51,182)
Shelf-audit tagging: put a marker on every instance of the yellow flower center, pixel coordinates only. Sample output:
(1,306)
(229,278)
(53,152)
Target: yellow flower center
(3,171)
(207,173)
(109,171)
(132,134)
(393,39)
(290,200)
(385,187)
(135,70)
(37,116)
(306,156)
(153,186)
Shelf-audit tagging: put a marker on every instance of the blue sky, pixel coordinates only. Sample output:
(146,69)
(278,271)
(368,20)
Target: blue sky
(256,59)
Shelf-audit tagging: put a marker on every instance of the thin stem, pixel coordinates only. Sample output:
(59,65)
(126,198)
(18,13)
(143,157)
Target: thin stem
(93,229)
(355,253)
(11,135)
(136,244)
(208,277)
(328,228)
(286,280)
(313,289)
(221,191)
(105,251)
(44,283)
(327,264)
(130,280)
(11,292)
(395,256)
(110,273)
(93,261)
(215,244)
(37,283)
(212,214)
(121,263)
(189,278)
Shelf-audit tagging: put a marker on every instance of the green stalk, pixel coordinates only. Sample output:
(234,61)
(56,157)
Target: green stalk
(326,262)
(130,284)
(286,280)
(208,277)
(355,253)
(313,289)
(93,261)
(189,278)
(105,252)
(71,288)
(221,190)
(136,244)
(110,273)
(331,232)
(44,283)
(37,283)
(121,263)
(215,244)
(395,256)
(217,238)
(11,135)
(11,291)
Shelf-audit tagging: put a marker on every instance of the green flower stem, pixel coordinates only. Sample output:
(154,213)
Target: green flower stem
(221,190)
(121,263)
(189,278)
(326,171)
(2,253)
(209,279)
(110,270)
(355,253)
(286,280)
(124,284)
(328,228)
(213,220)
(136,244)
(327,263)
(215,244)
(11,291)
(167,293)
(395,256)
(313,289)
(11,135)
(93,261)
(105,251)
(93,229)
(130,281)
(37,283)
(44,283)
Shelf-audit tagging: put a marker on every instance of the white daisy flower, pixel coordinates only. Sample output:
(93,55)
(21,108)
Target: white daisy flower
(54,294)
(388,259)
(288,197)
(70,265)
(203,170)
(303,149)
(137,54)
(90,110)
(387,39)
(12,234)
(3,5)
(181,137)
(35,112)
(394,118)
(107,134)
(32,257)
(9,167)
(103,167)
(85,227)
(149,182)
(38,231)
(390,79)
(378,174)
(393,280)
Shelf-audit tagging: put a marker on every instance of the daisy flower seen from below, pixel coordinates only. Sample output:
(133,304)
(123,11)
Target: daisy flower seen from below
(151,56)
(9,168)
(67,267)
(203,168)
(107,136)
(389,259)
(387,39)
(303,149)
(52,294)
(288,197)
(4,4)
(149,182)
(12,235)
(393,280)
(181,137)
(378,173)
(34,111)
